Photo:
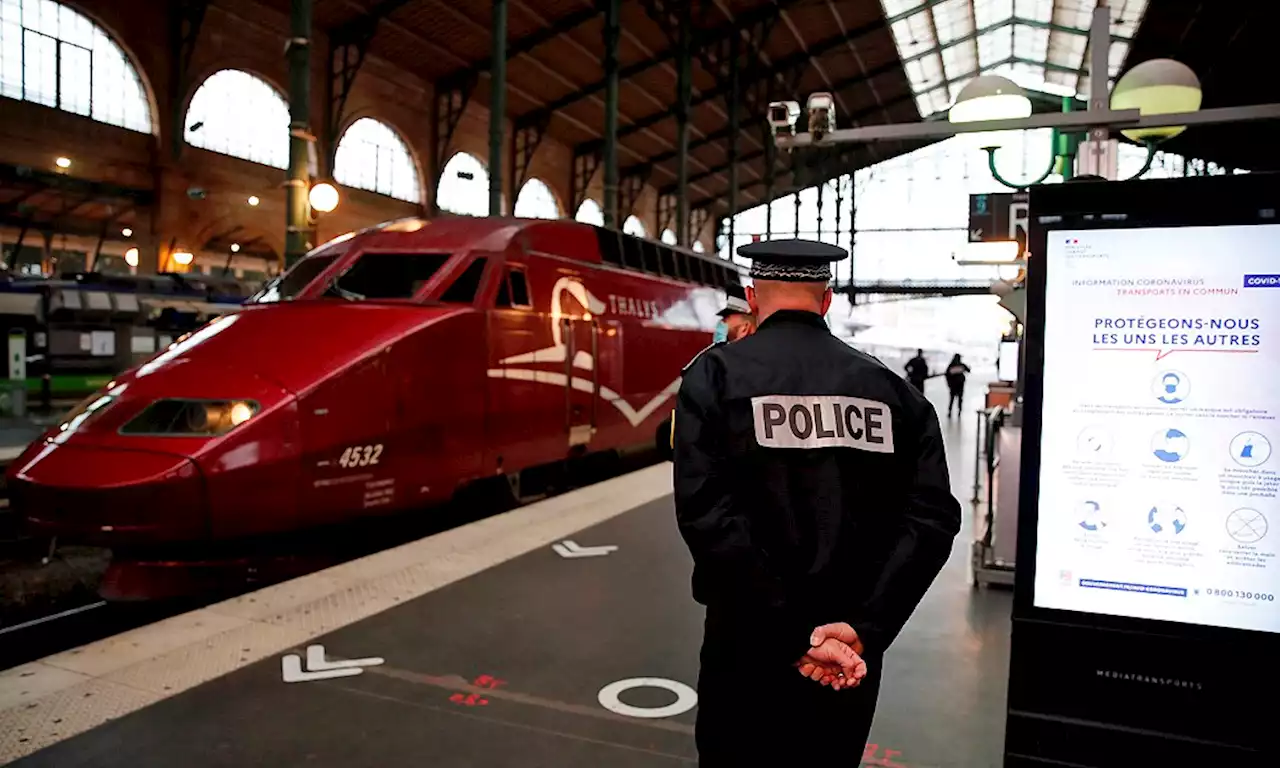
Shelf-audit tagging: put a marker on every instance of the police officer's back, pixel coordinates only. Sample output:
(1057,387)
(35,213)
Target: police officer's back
(811,487)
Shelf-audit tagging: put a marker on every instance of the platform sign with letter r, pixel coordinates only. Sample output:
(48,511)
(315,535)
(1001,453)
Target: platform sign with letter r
(998,217)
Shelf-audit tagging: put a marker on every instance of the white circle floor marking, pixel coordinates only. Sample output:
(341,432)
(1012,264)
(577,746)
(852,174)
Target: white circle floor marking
(686,697)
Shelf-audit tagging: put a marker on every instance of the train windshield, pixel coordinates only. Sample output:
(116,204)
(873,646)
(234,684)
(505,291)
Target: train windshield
(384,276)
(291,283)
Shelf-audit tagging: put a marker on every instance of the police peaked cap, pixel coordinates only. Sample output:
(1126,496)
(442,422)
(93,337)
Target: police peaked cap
(795,261)
(735,306)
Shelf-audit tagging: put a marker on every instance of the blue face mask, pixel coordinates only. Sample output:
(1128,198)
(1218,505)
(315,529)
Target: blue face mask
(722,332)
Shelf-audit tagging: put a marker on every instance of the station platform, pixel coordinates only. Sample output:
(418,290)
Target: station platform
(558,634)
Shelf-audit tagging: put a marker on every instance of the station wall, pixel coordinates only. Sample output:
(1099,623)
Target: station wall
(249,35)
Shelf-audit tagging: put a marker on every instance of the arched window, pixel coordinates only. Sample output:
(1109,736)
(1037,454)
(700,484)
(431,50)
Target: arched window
(669,237)
(590,213)
(536,201)
(633,226)
(372,156)
(237,114)
(698,247)
(464,186)
(51,55)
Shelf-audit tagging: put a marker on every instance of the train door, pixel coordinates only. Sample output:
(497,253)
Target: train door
(581,337)
(525,398)
(611,427)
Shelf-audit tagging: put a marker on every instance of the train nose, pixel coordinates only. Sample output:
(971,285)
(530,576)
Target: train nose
(110,497)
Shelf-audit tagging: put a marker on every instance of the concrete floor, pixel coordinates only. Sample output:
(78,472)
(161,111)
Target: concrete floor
(504,669)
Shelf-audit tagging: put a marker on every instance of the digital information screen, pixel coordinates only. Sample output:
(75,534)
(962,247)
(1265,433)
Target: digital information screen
(1158,486)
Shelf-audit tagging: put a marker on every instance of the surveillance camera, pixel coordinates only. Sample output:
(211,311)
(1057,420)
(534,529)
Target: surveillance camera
(822,115)
(783,116)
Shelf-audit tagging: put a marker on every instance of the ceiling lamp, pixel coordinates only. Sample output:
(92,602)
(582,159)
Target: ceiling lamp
(1157,87)
(183,257)
(324,197)
(131,257)
(990,97)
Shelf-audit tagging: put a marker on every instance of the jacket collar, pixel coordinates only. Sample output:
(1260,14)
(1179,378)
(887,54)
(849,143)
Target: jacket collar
(794,317)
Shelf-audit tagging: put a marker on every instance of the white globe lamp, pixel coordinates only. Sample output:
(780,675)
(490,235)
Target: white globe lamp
(324,197)
(990,97)
(1157,87)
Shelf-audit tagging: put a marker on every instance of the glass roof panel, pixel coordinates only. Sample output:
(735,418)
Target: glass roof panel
(958,61)
(1041,44)
(1030,43)
(989,12)
(1033,10)
(953,19)
(932,68)
(898,7)
(994,47)
(914,35)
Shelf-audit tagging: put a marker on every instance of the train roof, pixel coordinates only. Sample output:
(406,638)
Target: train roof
(563,237)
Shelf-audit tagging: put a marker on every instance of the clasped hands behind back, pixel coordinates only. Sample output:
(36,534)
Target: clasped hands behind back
(835,658)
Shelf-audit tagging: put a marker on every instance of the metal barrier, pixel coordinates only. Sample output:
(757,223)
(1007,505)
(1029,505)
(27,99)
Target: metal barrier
(987,567)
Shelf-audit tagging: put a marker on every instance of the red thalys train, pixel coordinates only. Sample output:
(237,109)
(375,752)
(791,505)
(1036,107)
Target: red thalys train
(386,370)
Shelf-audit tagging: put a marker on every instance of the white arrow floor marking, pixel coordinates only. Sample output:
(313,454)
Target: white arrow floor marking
(320,669)
(571,549)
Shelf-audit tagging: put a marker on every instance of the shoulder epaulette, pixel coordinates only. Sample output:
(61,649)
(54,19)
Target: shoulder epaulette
(704,350)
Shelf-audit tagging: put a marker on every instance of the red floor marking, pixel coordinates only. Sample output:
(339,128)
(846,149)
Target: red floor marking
(488,681)
(869,757)
(474,699)
(469,699)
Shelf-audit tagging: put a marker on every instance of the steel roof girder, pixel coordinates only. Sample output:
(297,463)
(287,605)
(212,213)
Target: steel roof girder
(630,188)
(583,170)
(527,135)
(708,37)
(759,119)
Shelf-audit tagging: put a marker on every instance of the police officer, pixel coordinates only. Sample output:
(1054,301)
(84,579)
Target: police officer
(736,322)
(812,489)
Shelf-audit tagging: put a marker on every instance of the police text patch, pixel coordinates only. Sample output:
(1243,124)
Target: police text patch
(822,421)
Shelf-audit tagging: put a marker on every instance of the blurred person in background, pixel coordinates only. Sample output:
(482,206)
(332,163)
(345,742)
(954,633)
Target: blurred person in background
(917,369)
(955,374)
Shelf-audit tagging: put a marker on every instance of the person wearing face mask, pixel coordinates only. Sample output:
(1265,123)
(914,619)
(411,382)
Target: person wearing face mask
(736,323)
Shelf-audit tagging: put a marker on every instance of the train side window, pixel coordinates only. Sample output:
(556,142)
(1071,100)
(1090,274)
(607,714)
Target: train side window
(514,291)
(668,258)
(610,250)
(464,288)
(650,252)
(631,254)
(389,275)
(682,265)
(519,289)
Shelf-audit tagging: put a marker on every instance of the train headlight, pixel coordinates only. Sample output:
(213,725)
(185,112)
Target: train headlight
(191,418)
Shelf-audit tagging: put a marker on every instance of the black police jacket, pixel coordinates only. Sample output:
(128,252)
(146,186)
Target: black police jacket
(811,486)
